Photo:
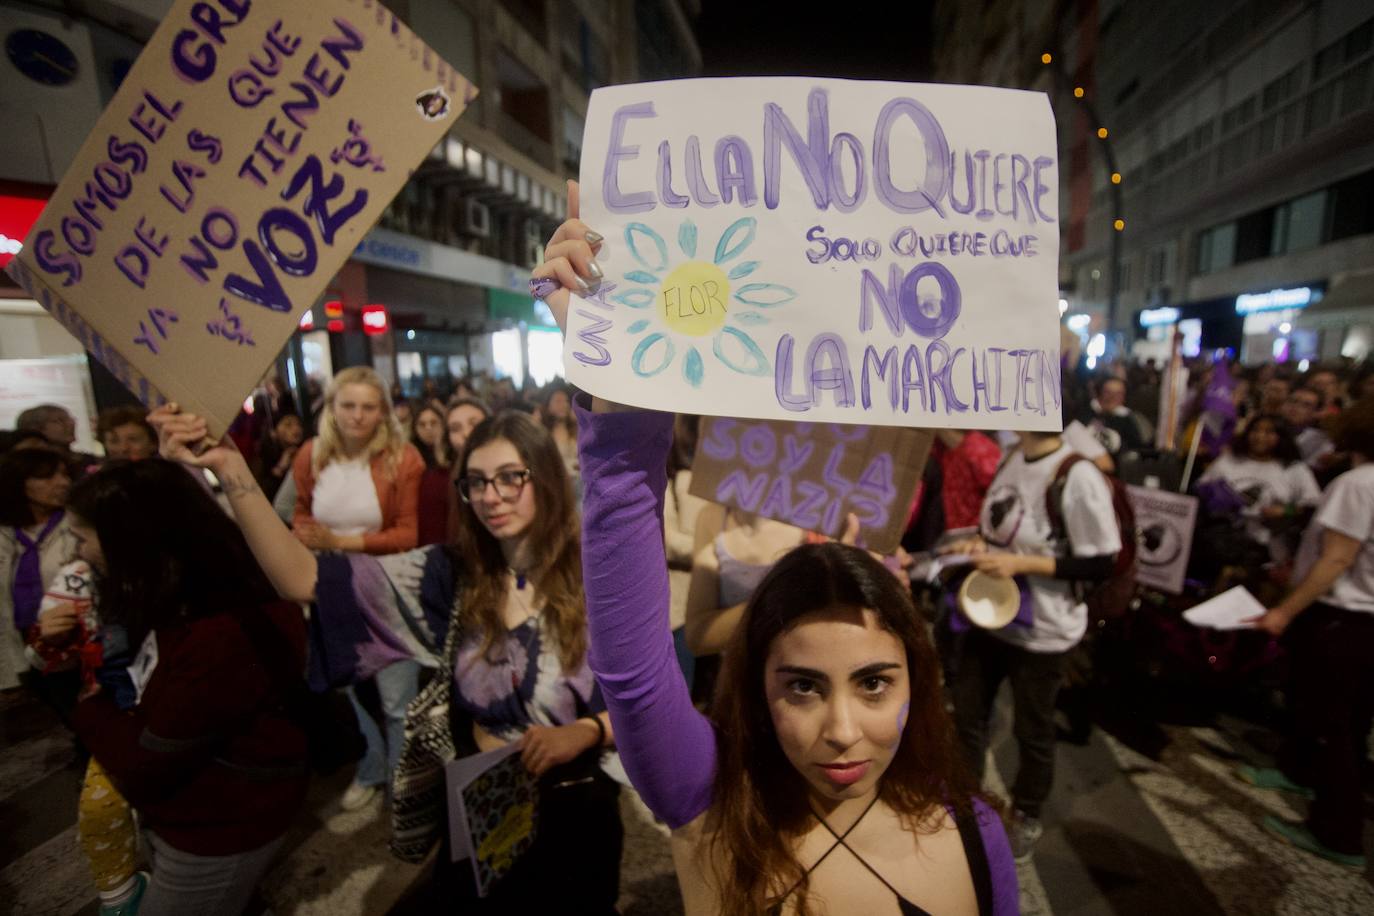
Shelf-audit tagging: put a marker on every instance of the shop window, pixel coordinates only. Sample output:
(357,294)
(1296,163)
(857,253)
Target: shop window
(545,356)
(508,361)
(1352,206)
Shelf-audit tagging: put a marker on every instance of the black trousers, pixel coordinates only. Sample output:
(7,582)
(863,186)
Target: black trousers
(1332,697)
(984,663)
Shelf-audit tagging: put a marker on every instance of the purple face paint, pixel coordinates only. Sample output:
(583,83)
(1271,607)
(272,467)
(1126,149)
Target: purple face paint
(902,715)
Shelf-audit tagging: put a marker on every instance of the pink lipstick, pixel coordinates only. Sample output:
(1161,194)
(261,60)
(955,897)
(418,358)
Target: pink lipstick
(845,774)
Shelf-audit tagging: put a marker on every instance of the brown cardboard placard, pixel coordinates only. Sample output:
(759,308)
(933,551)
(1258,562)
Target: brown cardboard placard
(244,157)
(813,474)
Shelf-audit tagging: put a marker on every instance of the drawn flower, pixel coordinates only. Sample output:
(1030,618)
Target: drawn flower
(696,300)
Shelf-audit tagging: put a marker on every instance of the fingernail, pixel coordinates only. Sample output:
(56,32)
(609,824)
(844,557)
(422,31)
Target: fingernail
(594,238)
(582,284)
(594,269)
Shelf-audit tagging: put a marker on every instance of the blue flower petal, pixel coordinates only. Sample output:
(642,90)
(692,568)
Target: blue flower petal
(637,359)
(687,238)
(635,298)
(638,326)
(751,318)
(692,367)
(756,363)
(765,295)
(727,247)
(744,269)
(642,276)
(636,231)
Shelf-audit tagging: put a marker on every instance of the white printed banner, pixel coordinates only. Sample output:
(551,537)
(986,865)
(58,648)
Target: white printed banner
(823,250)
(1164,523)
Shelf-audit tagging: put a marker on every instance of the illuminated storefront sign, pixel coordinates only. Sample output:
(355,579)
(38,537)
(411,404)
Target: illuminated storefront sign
(1300,297)
(1151,317)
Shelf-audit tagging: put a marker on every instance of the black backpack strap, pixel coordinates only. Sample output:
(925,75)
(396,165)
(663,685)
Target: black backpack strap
(977,855)
(1054,496)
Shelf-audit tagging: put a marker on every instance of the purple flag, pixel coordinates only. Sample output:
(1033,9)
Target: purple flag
(1218,410)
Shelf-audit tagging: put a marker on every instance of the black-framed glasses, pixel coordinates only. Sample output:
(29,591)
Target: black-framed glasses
(508,485)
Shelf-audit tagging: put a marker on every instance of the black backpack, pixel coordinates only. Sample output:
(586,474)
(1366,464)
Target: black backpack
(1114,596)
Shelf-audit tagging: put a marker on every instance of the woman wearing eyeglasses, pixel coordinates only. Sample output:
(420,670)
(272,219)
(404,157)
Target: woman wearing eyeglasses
(512,582)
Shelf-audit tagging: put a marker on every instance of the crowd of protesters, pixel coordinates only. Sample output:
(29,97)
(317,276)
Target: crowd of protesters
(532,567)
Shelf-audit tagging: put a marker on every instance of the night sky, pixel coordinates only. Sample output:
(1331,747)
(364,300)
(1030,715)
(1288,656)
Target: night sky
(850,39)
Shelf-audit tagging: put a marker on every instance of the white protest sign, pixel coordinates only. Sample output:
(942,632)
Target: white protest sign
(1164,522)
(823,250)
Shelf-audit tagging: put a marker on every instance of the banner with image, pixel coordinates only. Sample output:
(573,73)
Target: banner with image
(823,250)
(245,155)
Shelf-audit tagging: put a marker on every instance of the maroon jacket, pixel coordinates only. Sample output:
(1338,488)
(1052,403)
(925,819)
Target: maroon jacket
(208,757)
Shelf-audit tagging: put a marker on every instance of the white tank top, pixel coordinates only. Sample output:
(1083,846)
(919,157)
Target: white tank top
(345,498)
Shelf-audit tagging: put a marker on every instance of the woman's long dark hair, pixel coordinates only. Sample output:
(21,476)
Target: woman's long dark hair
(760,805)
(1285,449)
(18,468)
(555,542)
(171,553)
(435,457)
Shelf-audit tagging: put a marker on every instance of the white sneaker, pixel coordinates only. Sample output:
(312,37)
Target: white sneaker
(357,796)
(1025,832)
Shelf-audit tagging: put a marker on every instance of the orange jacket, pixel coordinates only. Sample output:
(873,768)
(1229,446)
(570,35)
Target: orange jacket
(398,497)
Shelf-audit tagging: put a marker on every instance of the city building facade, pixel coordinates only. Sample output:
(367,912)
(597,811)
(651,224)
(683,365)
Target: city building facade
(1233,142)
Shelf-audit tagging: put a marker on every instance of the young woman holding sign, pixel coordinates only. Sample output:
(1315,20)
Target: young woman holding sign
(511,583)
(828,777)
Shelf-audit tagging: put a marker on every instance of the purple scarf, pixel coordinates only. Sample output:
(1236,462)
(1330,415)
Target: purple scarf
(28,576)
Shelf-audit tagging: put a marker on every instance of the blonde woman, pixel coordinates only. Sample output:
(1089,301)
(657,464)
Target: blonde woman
(358,490)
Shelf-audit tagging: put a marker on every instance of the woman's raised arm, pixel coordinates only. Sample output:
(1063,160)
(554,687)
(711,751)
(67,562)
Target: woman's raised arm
(290,566)
(668,748)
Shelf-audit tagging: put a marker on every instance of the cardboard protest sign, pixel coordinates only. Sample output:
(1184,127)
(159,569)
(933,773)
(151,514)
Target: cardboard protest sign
(243,158)
(1164,523)
(823,250)
(813,475)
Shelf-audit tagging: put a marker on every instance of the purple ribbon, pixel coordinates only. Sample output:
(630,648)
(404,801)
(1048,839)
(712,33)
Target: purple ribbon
(28,577)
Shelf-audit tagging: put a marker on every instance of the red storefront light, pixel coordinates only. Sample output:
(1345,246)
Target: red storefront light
(375,319)
(333,313)
(17,216)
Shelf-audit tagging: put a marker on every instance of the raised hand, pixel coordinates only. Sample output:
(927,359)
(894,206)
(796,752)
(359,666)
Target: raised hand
(569,261)
(185,437)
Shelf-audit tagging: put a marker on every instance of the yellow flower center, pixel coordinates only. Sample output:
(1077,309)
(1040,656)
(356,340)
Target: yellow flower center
(694,299)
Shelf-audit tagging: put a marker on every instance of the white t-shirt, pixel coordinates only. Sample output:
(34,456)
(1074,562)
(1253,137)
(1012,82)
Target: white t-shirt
(1262,484)
(1014,517)
(345,498)
(1346,507)
(1081,440)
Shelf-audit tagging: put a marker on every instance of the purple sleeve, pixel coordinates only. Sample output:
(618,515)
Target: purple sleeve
(668,748)
(1006,899)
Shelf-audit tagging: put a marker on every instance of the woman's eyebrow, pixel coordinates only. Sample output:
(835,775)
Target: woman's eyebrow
(803,672)
(868,671)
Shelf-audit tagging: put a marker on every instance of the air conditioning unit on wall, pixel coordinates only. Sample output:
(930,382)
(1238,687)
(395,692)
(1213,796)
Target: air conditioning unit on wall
(476,219)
